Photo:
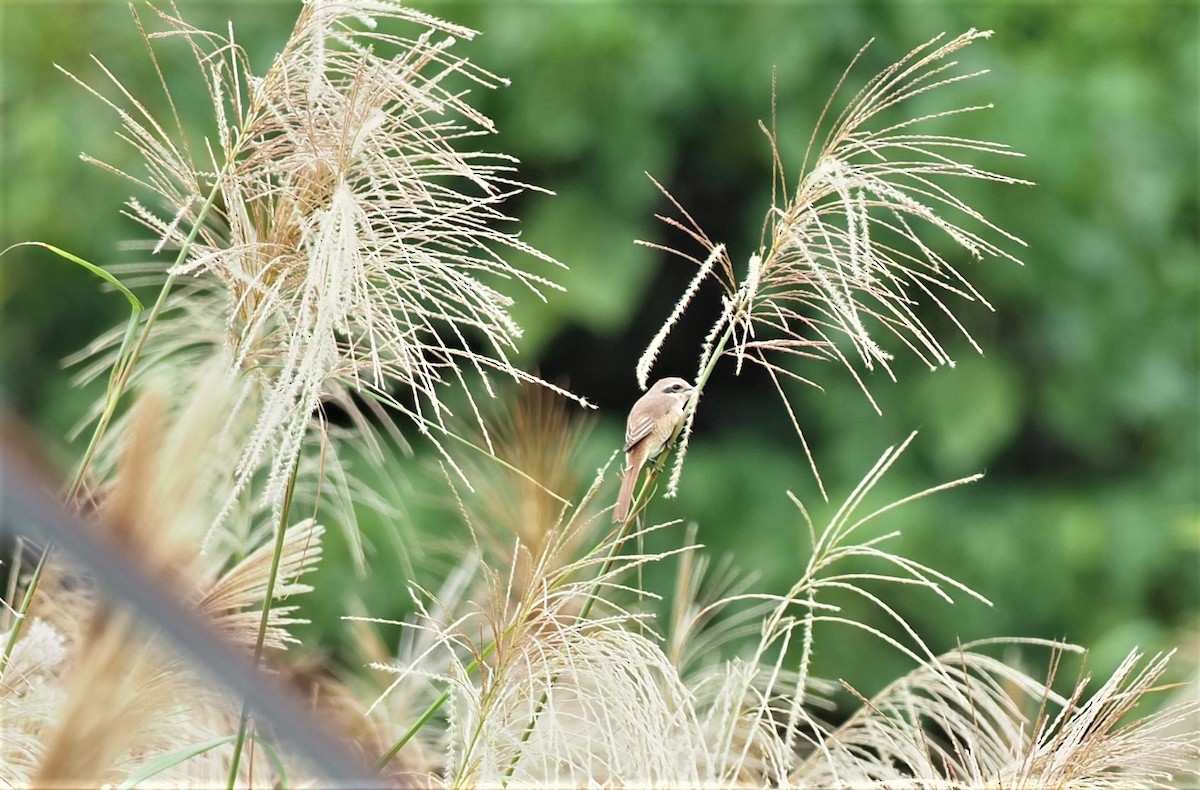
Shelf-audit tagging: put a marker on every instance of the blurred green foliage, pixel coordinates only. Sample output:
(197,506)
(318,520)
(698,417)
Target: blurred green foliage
(1084,410)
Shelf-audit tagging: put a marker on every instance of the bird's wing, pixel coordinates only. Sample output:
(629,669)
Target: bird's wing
(635,431)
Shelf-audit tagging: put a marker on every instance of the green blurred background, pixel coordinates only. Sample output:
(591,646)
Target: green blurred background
(1083,412)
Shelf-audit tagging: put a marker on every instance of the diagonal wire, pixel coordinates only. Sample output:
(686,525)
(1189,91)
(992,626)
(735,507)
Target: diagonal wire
(28,506)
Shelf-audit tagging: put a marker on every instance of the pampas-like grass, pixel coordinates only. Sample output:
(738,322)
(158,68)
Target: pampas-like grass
(92,697)
(558,697)
(961,721)
(353,247)
(843,256)
(234,599)
(336,246)
(31,695)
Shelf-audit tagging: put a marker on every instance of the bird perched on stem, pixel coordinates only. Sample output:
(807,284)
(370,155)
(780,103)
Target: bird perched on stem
(651,422)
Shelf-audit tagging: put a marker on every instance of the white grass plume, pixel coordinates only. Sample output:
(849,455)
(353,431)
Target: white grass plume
(967,720)
(540,694)
(962,719)
(32,692)
(1100,741)
(546,694)
(845,254)
(91,698)
(234,601)
(845,272)
(646,361)
(356,245)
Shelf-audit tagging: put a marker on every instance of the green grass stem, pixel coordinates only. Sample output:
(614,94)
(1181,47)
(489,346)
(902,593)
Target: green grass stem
(260,638)
(118,381)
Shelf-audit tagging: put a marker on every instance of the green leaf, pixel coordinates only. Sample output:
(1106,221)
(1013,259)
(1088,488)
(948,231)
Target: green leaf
(162,762)
(103,274)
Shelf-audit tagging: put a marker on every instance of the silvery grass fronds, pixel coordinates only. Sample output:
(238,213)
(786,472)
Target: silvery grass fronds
(961,719)
(554,678)
(764,692)
(337,225)
(1101,740)
(516,516)
(966,720)
(850,267)
(88,697)
(191,373)
(551,679)
(516,520)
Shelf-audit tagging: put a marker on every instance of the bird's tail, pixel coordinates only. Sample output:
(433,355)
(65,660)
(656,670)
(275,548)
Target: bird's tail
(625,498)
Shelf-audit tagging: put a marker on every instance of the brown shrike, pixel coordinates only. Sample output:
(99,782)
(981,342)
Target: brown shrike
(651,422)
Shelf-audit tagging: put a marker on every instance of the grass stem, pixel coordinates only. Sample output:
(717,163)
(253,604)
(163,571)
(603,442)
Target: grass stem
(11,642)
(268,597)
(118,382)
(639,504)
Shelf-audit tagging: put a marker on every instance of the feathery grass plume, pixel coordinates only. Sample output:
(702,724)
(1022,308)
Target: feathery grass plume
(544,693)
(121,698)
(614,713)
(962,720)
(700,618)
(119,692)
(31,695)
(759,694)
(1095,741)
(561,687)
(844,254)
(398,703)
(646,361)
(955,721)
(517,507)
(577,700)
(712,613)
(341,240)
(193,363)
(235,599)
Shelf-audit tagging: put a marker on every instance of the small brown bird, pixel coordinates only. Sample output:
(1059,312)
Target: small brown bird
(651,422)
